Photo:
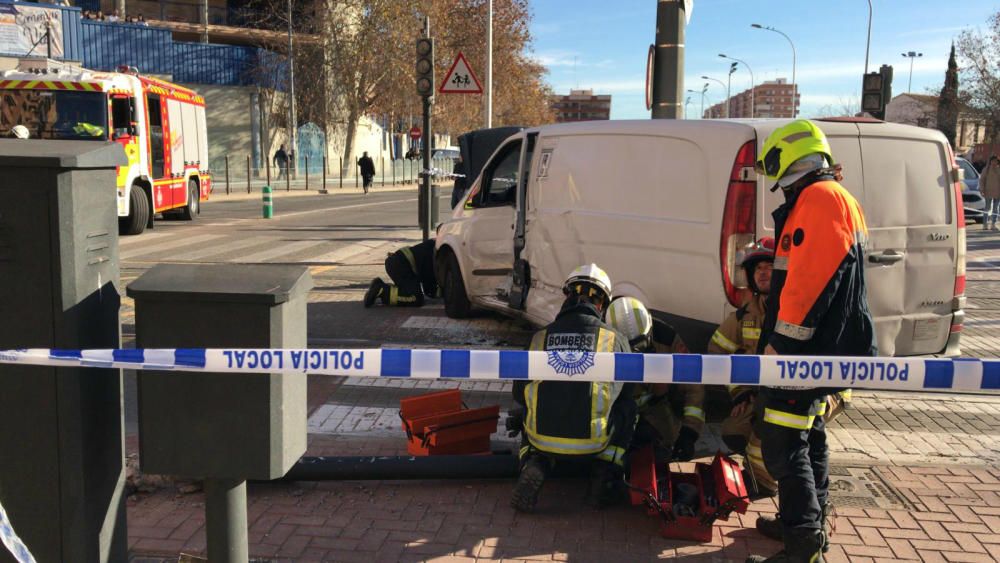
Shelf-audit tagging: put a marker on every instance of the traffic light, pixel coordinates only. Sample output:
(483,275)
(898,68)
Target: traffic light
(425,67)
(876,90)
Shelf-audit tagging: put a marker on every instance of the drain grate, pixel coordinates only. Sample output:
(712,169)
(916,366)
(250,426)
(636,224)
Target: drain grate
(863,487)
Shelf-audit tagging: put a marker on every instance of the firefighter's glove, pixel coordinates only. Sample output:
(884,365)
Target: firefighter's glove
(515,422)
(684,445)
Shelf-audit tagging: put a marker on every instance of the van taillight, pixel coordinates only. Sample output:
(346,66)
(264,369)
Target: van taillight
(959,292)
(739,219)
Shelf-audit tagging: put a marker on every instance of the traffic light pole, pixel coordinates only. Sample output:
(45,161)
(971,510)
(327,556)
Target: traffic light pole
(425,212)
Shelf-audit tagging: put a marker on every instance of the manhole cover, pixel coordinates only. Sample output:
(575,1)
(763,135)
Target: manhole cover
(863,487)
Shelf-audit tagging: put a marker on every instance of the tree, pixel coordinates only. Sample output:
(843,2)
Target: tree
(845,107)
(980,54)
(948,105)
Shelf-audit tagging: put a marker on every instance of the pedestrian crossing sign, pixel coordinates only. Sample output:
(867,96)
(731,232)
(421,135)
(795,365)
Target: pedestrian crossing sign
(460,79)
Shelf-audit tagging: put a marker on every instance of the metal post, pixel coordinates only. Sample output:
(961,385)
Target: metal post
(383,171)
(425,213)
(204,20)
(226,520)
(392,165)
(306,157)
(248,174)
(356,169)
(340,172)
(794,87)
(729,89)
(323,190)
(488,98)
(288,176)
(268,168)
(227,175)
(668,60)
(869,43)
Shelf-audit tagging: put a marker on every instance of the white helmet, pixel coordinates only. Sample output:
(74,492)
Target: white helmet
(588,274)
(20,131)
(631,319)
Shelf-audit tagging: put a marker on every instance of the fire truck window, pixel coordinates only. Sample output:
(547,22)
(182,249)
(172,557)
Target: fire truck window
(123,116)
(156,136)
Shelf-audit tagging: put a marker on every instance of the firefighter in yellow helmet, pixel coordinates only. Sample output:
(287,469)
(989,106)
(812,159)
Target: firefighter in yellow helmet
(569,419)
(671,417)
(817,306)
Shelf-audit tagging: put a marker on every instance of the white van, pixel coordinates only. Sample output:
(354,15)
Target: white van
(665,205)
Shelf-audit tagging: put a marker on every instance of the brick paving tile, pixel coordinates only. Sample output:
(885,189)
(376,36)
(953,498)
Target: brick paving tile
(902,549)
(970,557)
(968,542)
(871,537)
(867,551)
(935,545)
(936,530)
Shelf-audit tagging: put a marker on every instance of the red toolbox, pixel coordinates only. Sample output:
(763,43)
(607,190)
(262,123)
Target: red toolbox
(687,503)
(439,424)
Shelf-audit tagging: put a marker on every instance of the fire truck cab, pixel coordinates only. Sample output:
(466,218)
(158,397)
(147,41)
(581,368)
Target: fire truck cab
(160,125)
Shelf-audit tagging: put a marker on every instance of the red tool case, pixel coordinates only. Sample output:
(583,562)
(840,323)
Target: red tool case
(719,486)
(438,424)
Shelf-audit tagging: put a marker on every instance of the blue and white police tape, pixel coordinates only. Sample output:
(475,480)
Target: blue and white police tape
(13,543)
(896,374)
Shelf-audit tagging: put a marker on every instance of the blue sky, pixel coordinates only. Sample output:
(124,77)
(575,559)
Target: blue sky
(602,45)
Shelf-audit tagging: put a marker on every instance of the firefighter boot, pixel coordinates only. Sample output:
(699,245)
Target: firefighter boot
(529,483)
(770,526)
(375,290)
(606,484)
(801,546)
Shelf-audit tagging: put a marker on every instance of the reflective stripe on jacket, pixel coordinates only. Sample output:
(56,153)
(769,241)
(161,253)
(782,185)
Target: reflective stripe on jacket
(572,418)
(739,334)
(421,260)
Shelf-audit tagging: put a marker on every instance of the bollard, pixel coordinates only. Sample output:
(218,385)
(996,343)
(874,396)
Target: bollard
(227,175)
(268,168)
(268,204)
(249,189)
(340,172)
(383,171)
(288,177)
(392,164)
(323,189)
(307,171)
(356,168)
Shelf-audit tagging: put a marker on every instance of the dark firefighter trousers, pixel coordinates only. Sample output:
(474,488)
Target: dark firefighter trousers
(793,444)
(407,290)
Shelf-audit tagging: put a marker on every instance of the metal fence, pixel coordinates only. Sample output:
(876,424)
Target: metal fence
(236,173)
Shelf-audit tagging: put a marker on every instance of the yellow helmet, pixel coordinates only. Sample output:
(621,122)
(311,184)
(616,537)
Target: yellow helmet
(789,143)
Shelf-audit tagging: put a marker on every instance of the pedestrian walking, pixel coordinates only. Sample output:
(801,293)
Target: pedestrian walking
(989,186)
(817,306)
(281,161)
(570,419)
(367,168)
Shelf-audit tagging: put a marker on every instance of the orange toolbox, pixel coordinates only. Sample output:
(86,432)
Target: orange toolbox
(687,504)
(439,424)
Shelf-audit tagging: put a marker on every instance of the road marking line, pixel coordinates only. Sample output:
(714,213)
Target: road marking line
(341,255)
(219,251)
(153,249)
(281,250)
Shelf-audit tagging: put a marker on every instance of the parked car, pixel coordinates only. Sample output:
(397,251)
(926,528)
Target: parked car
(972,200)
(665,206)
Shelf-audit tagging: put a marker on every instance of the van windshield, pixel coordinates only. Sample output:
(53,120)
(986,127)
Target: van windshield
(56,114)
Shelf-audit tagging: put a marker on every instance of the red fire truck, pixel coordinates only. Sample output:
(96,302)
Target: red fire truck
(160,125)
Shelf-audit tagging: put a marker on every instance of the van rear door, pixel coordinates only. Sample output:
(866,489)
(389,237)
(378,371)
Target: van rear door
(909,204)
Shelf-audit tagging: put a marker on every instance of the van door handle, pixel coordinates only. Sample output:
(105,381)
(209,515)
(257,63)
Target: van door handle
(887,257)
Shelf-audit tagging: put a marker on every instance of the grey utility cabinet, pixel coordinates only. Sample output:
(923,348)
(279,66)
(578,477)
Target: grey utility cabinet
(61,429)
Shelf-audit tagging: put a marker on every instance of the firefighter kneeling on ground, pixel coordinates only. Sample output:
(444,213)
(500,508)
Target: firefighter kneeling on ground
(671,417)
(739,334)
(817,307)
(410,268)
(574,420)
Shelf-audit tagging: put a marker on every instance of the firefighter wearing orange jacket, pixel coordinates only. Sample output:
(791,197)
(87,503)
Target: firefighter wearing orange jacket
(817,306)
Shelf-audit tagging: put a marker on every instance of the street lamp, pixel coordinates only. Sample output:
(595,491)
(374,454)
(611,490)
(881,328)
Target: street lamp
(744,63)
(724,86)
(702,92)
(795,107)
(869,43)
(911,55)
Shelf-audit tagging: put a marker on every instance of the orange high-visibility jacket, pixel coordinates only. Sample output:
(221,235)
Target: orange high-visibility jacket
(818,304)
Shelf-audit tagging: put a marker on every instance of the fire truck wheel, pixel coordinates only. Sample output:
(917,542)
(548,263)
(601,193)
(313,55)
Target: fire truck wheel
(138,214)
(193,208)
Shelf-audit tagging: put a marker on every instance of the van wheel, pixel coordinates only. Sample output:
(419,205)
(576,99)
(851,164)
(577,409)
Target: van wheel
(190,211)
(138,214)
(456,301)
